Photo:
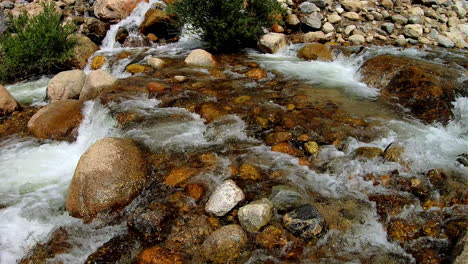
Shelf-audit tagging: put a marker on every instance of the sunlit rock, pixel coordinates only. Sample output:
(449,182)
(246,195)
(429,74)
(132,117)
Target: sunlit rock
(225,244)
(224,198)
(286,197)
(200,58)
(95,83)
(255,215)
(305,222)
(158,255)
(66,85)
(272,42)
(8,103)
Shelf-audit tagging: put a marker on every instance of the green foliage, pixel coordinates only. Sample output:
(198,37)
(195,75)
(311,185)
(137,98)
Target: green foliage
(35,45)
(227,25)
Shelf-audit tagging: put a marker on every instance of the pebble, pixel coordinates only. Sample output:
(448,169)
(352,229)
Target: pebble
(255,215)
(225,197)
(305,222)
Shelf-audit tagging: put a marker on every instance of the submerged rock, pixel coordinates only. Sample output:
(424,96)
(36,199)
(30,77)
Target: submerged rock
(272,42)
(8,103)
(58,120)
(368,152)
(158,255)
(225,197)
(152,223)
(97,62)
(200,58)
(56,244)
(66,85)
(255,215)
(225,244)
(95,83)
(305,222)
(285,197)
(155,62)
(108,176)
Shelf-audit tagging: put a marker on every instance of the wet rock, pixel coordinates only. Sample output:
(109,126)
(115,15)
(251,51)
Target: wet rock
(249,172)
(367,152)
(57,244)
(285,197)
(155,87)
(158,255)
(97,62)
(94,29)
(66,85)
(272,42)
(135,68)
(225,244)
(121,35)
(156,63)
(136,42)
(277,28)
(402,230)
(152,223)
(256,74)
(95,83)
(394,153)
(119,249)
(255,215)
(311,147)
(8,103)
(425,88)
(200,58)
(225,197)
(316,51)
(210,112)
(83,49)
(278,137)
(114,10)
(108,176)
(195,191)
(461,256)
(58,120)
(313,20)
(177,176)
(159,23)
(272,237)
(463,159)
(305,221)
(285,148)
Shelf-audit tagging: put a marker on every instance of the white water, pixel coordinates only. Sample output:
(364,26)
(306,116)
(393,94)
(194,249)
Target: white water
(30,92)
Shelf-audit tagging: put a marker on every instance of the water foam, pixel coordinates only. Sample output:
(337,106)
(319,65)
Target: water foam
(30,92)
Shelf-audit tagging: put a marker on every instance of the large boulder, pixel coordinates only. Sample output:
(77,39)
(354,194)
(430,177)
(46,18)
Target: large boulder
(225,244)
(426,89)
(8,103)
(114,10)
(66,85)
(272,42)
(59,120)
(316,51)
(94,29)
(95,83)
(160,24)
(84,49)
(109,175)
(200,58)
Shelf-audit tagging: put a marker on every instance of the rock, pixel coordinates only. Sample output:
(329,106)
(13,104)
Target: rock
(95,83)
(121,35)
(328,27)
(317,36)
(151,223)
(58,120)
(462,247)
(155,62)
(97,62)
(285,147)
(66,85)
(463,159)
(357,39)
(351,16)
(158,255)
(349,29)
(117,250)
(200,58)
(135,68)
(444,41)
(334,18)
(114,10)
(313,20)
(292,20)
(311,147)
(156,87)
(195,191)
(278,137)
(367,152)
(256,74)
(426,89)
(401,41)
(388,4)
(352,5)
(57,243)
(320,3)
(272,42)
(305,222)
(255,215)
(108,176)
(84,49)
(249,172)
(388,27)
(273,237)
(416,11)
(285,197)
(8,103)
(179,175)
(399,19)
(225,197)
(160,24)
(316,51)
(94,29)
(308,7)
(394,152)
(136,42)
(225,244)
(8,4)
(415,20)
(413,31)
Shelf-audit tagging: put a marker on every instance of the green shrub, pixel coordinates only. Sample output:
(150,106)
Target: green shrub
(227,25)
(35,45)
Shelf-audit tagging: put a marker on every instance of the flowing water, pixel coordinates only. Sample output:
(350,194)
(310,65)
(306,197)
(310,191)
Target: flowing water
(35,174)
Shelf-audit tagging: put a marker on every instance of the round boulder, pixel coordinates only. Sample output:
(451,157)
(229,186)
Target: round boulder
(8,103)
(200,58)
(225,244)
(316,51)
(59,120)
(272,42)
(109,175)
(66,85)
(95,83)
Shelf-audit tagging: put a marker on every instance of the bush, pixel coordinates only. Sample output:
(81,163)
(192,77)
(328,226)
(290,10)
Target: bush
(227,25)
(35,45)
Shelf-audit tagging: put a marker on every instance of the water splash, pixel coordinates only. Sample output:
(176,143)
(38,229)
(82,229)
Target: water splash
(30,92)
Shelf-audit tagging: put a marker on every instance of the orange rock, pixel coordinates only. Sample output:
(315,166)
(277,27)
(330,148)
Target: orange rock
(272,237)
(123,55)
(136,68)
(402,230)
(256,74)
(196,191)
(233,170)
(304,137)
(249,172)
(97,63)
(210,112)
(209,159)
(303,161)
(152,37)
(277,28)
(156,87)
(278,137)
(178,176)
(242,99)
(217,73)
(285,148)
(158,255)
